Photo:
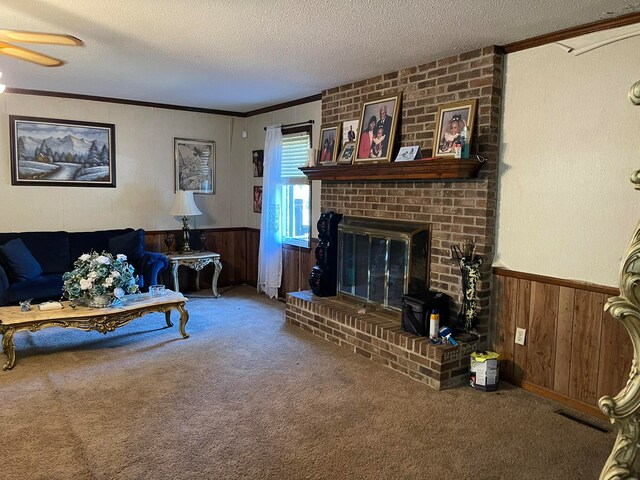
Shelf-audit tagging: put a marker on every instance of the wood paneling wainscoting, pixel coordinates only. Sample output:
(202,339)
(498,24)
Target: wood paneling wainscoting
(297,263)
(238,249)
(574,352)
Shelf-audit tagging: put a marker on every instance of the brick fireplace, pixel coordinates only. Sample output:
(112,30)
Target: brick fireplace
(456,210)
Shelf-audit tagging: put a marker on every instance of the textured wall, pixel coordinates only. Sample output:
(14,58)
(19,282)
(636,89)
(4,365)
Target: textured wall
(570,141)
(456,210)
(144,169)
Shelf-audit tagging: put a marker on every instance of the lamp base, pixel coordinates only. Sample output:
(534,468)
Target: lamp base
(185,248)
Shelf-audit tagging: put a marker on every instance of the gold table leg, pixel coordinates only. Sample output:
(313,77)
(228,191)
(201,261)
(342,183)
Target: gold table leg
(8,348)
(184,318)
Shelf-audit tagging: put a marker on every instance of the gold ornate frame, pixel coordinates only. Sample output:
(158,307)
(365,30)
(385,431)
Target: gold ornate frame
(622,409)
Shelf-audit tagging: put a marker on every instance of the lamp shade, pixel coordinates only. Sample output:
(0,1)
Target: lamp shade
(184,204)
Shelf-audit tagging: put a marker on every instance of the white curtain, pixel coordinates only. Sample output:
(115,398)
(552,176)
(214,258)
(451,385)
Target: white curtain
(270,252)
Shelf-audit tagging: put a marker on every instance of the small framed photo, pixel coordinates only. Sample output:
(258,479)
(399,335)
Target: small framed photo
(195,162)
(62,153)
(258,162)
(378,122)
(257,199)
(451,120)
(329,138)
(349,131)
(346,155)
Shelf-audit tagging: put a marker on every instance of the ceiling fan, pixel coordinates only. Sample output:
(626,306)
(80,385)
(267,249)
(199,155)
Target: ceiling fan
(35,37)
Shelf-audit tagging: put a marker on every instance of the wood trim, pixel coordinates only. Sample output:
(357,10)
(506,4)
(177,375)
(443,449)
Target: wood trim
(591,287)
(556,397)
(572,32)
(123,101)
(280,106)
(221,229)
(426,169)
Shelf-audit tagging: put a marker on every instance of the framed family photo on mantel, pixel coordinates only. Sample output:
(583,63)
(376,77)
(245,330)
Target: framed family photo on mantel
(378,123)
(62,153)
(329,144)
(450,122)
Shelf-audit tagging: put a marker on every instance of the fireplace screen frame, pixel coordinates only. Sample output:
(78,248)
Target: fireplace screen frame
(413,237)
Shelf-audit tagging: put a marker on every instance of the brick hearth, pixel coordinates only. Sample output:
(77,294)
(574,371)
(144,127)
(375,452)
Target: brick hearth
(381,339)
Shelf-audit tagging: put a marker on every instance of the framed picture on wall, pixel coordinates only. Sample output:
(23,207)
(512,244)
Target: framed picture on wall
(451,120)
(329,143)
(257,199)
(378,122)
(62,153)
(257,157)
(195,162)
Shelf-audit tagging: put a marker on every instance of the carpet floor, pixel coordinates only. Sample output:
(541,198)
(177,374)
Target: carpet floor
(248,396)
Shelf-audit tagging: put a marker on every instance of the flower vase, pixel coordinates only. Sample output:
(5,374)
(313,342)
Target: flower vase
(100,301)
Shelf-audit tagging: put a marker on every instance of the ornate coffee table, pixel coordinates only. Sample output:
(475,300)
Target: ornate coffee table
(103,320)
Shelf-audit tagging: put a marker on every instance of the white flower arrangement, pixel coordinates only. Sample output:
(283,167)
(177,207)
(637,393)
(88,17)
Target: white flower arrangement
(99,274)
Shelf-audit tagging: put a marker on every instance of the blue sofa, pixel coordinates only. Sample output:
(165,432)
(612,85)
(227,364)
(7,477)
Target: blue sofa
(36,271)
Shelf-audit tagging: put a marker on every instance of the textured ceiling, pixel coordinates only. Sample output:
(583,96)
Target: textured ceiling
(241,55)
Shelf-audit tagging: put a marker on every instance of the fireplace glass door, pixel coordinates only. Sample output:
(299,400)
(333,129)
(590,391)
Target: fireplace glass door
(376,264)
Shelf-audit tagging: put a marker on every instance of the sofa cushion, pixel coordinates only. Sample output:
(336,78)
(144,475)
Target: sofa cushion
(20,262)
(50,249)
(44,287)
(98,241)
(131,244)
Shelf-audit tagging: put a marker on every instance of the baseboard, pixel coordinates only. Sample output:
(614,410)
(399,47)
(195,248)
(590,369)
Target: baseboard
(557,397)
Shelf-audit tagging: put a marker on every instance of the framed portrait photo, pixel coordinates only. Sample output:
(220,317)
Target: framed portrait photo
(329,144)
(378,122)
(346,155)
(257,157)
(257,199)
(451,120)
(350,131)
(195,162)
(62,153)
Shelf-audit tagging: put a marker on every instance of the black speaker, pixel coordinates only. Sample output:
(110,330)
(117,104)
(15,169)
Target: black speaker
(324,275)
(416,309)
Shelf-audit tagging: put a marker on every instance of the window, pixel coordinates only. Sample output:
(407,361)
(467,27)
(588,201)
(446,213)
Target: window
(296,191)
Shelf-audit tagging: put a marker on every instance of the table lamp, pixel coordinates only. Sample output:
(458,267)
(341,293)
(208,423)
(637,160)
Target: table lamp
(184,206)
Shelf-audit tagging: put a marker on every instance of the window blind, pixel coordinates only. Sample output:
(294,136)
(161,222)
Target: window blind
(295,152)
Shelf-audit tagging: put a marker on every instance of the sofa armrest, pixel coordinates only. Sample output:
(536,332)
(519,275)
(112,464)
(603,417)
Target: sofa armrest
(150,267)
(4,287)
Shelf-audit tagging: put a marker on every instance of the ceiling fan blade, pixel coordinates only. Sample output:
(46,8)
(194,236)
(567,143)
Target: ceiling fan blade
(29,55)
(37,37)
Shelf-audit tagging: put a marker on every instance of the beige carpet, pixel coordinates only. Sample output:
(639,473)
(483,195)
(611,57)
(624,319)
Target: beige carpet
(247,396)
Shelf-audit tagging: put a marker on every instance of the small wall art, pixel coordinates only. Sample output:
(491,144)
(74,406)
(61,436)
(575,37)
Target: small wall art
(257,199)
(258,162)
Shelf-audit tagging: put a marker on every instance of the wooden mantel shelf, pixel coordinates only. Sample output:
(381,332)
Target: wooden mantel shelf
(425,169)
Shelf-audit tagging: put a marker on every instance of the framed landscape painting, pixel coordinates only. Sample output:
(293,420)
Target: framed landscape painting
(195,162)
(62,153)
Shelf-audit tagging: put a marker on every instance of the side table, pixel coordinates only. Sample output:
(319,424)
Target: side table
(196,261)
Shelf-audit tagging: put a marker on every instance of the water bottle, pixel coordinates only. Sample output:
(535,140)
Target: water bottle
(434,324)
(464,136)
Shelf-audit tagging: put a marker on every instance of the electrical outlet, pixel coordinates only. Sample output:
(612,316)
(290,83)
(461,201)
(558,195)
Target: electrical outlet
(520,335)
